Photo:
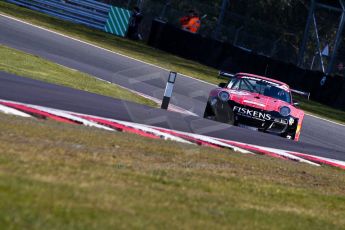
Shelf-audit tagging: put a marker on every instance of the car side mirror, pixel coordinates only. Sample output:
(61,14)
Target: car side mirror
(222,85)
(296,103)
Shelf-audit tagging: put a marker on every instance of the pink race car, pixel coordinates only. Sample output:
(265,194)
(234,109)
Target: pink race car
(257,103)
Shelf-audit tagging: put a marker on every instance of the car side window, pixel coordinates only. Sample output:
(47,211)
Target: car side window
(277,93)
(247,85)
(234,84)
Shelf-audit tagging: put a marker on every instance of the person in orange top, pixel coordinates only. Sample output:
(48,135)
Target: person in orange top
(191,22)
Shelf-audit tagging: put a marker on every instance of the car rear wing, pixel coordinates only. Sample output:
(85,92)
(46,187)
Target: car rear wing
(304,94)
(227,75)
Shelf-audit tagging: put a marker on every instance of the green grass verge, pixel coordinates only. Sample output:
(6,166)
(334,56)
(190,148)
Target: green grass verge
(59,176)
(145,53)
(27,65)
(321,110)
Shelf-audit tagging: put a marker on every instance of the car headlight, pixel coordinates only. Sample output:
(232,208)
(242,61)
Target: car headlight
(284,111)
(224,96)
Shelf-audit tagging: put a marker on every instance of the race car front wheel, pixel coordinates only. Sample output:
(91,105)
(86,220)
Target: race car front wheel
(209,114)
(230,118)
(290,136)
(225,115)
(221,115)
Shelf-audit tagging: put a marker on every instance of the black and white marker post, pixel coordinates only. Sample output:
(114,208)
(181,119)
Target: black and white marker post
(168,90)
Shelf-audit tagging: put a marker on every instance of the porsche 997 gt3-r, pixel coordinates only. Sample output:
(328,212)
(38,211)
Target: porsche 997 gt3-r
(257,103)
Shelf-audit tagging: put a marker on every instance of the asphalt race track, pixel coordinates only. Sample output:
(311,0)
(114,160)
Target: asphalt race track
(40,93)
(318,137)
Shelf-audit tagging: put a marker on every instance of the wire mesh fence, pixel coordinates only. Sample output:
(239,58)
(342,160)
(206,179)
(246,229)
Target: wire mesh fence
(249,32)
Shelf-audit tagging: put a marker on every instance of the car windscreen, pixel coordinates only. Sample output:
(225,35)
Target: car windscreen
(264,87)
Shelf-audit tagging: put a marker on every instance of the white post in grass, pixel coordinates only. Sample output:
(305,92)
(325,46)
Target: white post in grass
(169,90)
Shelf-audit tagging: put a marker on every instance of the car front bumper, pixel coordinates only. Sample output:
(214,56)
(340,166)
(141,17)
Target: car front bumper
(253,118)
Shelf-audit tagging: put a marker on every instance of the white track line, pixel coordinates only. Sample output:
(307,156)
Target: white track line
(149,129)
(70,117)
(330,160)
(324,119)
(280,152)
(285,153)
(90,44)
(145,128)
(210,140)
(167,136)
(154,130)
(173,108)
(9,110)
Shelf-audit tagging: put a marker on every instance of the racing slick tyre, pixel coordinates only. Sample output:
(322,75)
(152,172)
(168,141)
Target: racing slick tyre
(290,136)
(230,120)
(209,114)
(225,116)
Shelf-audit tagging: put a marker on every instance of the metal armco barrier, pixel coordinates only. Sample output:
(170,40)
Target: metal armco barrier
(91,13)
